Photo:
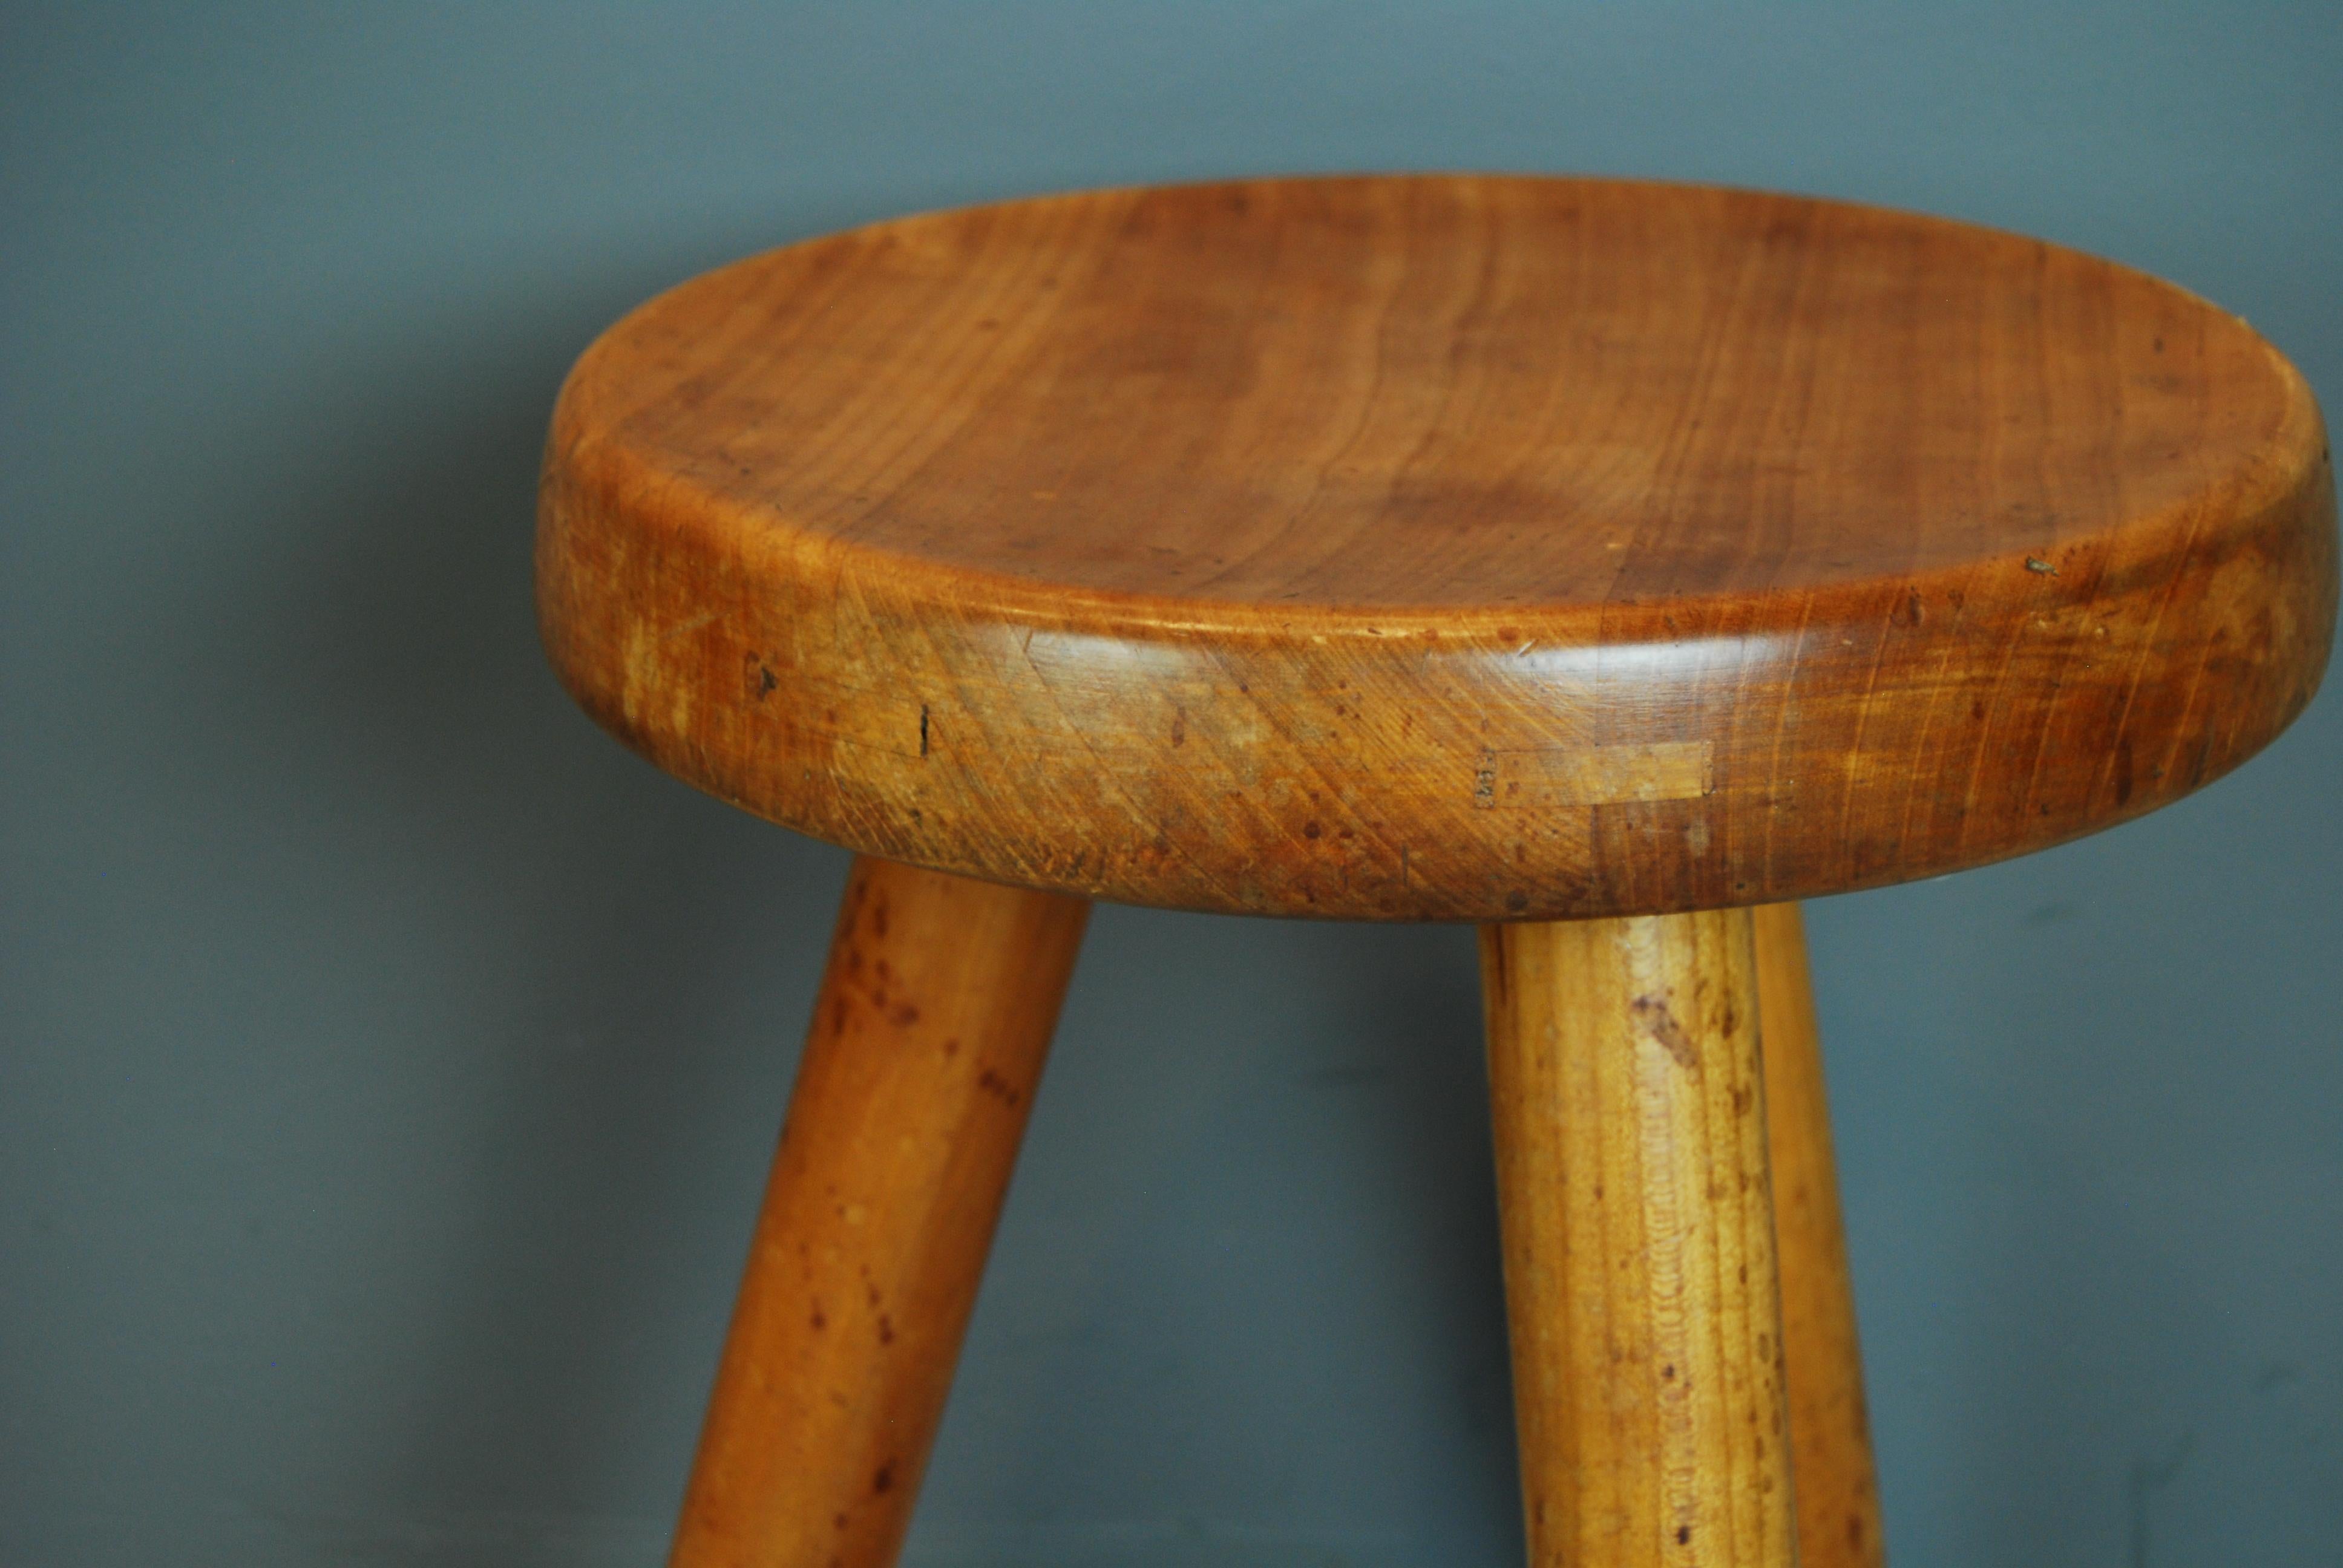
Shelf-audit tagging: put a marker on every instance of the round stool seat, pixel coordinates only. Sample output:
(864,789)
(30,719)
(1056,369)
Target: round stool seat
(1437,547)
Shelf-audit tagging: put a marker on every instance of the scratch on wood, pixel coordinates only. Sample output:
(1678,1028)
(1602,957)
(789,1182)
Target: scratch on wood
(1652,1012)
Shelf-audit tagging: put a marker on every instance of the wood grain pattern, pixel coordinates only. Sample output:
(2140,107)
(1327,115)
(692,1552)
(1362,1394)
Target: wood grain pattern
(1438,547)
(919,1072)
(1640,1273)
(1830,1430)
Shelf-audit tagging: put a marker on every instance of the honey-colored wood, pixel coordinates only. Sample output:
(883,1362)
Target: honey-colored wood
(1640,1274)
(1438,547)
(1830,1432)
(918,1074)
(1594,557)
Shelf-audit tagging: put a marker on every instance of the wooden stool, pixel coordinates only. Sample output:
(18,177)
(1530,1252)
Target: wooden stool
(1610,564)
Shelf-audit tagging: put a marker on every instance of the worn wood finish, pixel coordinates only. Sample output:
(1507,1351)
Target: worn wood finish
(1440,548)
(1830,1432)
(1639,1275)
(918,1074)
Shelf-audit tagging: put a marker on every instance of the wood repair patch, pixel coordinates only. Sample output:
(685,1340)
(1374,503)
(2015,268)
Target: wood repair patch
(1593,775)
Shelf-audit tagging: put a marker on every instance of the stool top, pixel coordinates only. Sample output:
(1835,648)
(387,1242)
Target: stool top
(1438,547)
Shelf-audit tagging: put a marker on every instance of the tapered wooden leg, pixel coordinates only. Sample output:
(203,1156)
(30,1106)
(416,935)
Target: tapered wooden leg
(919,1071)
(1830,1435)
(1638,1230)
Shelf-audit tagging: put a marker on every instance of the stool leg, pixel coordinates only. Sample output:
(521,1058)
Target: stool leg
(1830,1435)
(1638,1230)
(919,1070)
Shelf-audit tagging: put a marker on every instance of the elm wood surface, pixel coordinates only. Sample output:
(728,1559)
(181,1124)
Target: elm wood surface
(917,1075)
(1830,1430)
(1462,547)
(1416,548)
(1640,1268)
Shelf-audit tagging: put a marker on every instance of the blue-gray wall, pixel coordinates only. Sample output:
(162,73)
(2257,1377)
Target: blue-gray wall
(388,1062)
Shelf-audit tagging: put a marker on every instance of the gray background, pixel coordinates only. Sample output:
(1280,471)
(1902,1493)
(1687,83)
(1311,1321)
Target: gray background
(390,1062)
